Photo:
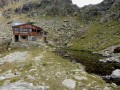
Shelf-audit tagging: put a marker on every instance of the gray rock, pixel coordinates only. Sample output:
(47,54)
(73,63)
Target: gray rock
(16,56)
(111,59)
(8,74)
(31,77)
(3,3)
(51,7)
(116,73)
(105,18)
(119,19)
(106,88)
(108,9)
(114,85)
(69,83)
(23,86)
(109,52)
(38,58)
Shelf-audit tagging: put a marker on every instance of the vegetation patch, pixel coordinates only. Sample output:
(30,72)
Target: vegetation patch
(98,37)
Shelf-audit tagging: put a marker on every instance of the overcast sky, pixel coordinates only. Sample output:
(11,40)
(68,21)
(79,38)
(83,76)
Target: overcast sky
(81,3)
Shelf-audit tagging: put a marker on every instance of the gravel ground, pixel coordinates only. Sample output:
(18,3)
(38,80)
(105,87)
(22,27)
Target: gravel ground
(23,86)
(16,56)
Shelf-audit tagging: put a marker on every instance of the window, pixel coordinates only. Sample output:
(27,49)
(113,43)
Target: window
(21,29)
(25,30)
(16,29)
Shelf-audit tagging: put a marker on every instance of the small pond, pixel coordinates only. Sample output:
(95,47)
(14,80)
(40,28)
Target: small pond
(91,63)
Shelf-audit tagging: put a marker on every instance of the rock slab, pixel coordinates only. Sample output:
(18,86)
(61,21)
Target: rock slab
(71,84)
(116,73)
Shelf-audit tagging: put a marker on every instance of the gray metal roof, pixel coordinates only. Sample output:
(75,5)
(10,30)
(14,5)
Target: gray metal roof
(17,23)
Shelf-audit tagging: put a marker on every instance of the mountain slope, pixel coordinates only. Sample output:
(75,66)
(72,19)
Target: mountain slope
(39,67)
(104,24)
(60,11)
(91,28)
(40,7)
(48,14)
(106,10)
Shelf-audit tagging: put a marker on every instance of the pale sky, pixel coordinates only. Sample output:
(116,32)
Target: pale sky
(81,3)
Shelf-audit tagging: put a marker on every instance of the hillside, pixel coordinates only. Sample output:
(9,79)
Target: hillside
(103,20)
(93,28)
(39,68)
(107,10)
(47,14)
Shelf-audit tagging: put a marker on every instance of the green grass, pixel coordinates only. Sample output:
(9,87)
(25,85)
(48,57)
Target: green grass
(53,64)
(98,37)
(47,67)
(15,79)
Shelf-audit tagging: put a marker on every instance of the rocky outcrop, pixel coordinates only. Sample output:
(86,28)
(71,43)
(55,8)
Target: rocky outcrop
(16,56)
(7,13)
(51,7)
(23,86)
(116,73)
(110,51)
(6,2)
(3,3)
(69,83)
(39,7)
(108,9)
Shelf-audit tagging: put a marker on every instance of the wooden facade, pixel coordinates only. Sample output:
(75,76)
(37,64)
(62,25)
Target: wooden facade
(28,32)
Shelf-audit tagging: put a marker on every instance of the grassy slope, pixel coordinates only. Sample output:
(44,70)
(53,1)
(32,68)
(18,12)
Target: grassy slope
(50,69)
(98,37)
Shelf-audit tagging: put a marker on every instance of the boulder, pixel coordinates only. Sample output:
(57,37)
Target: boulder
(116,73)
(69,83)
(23,86)
(106,88)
